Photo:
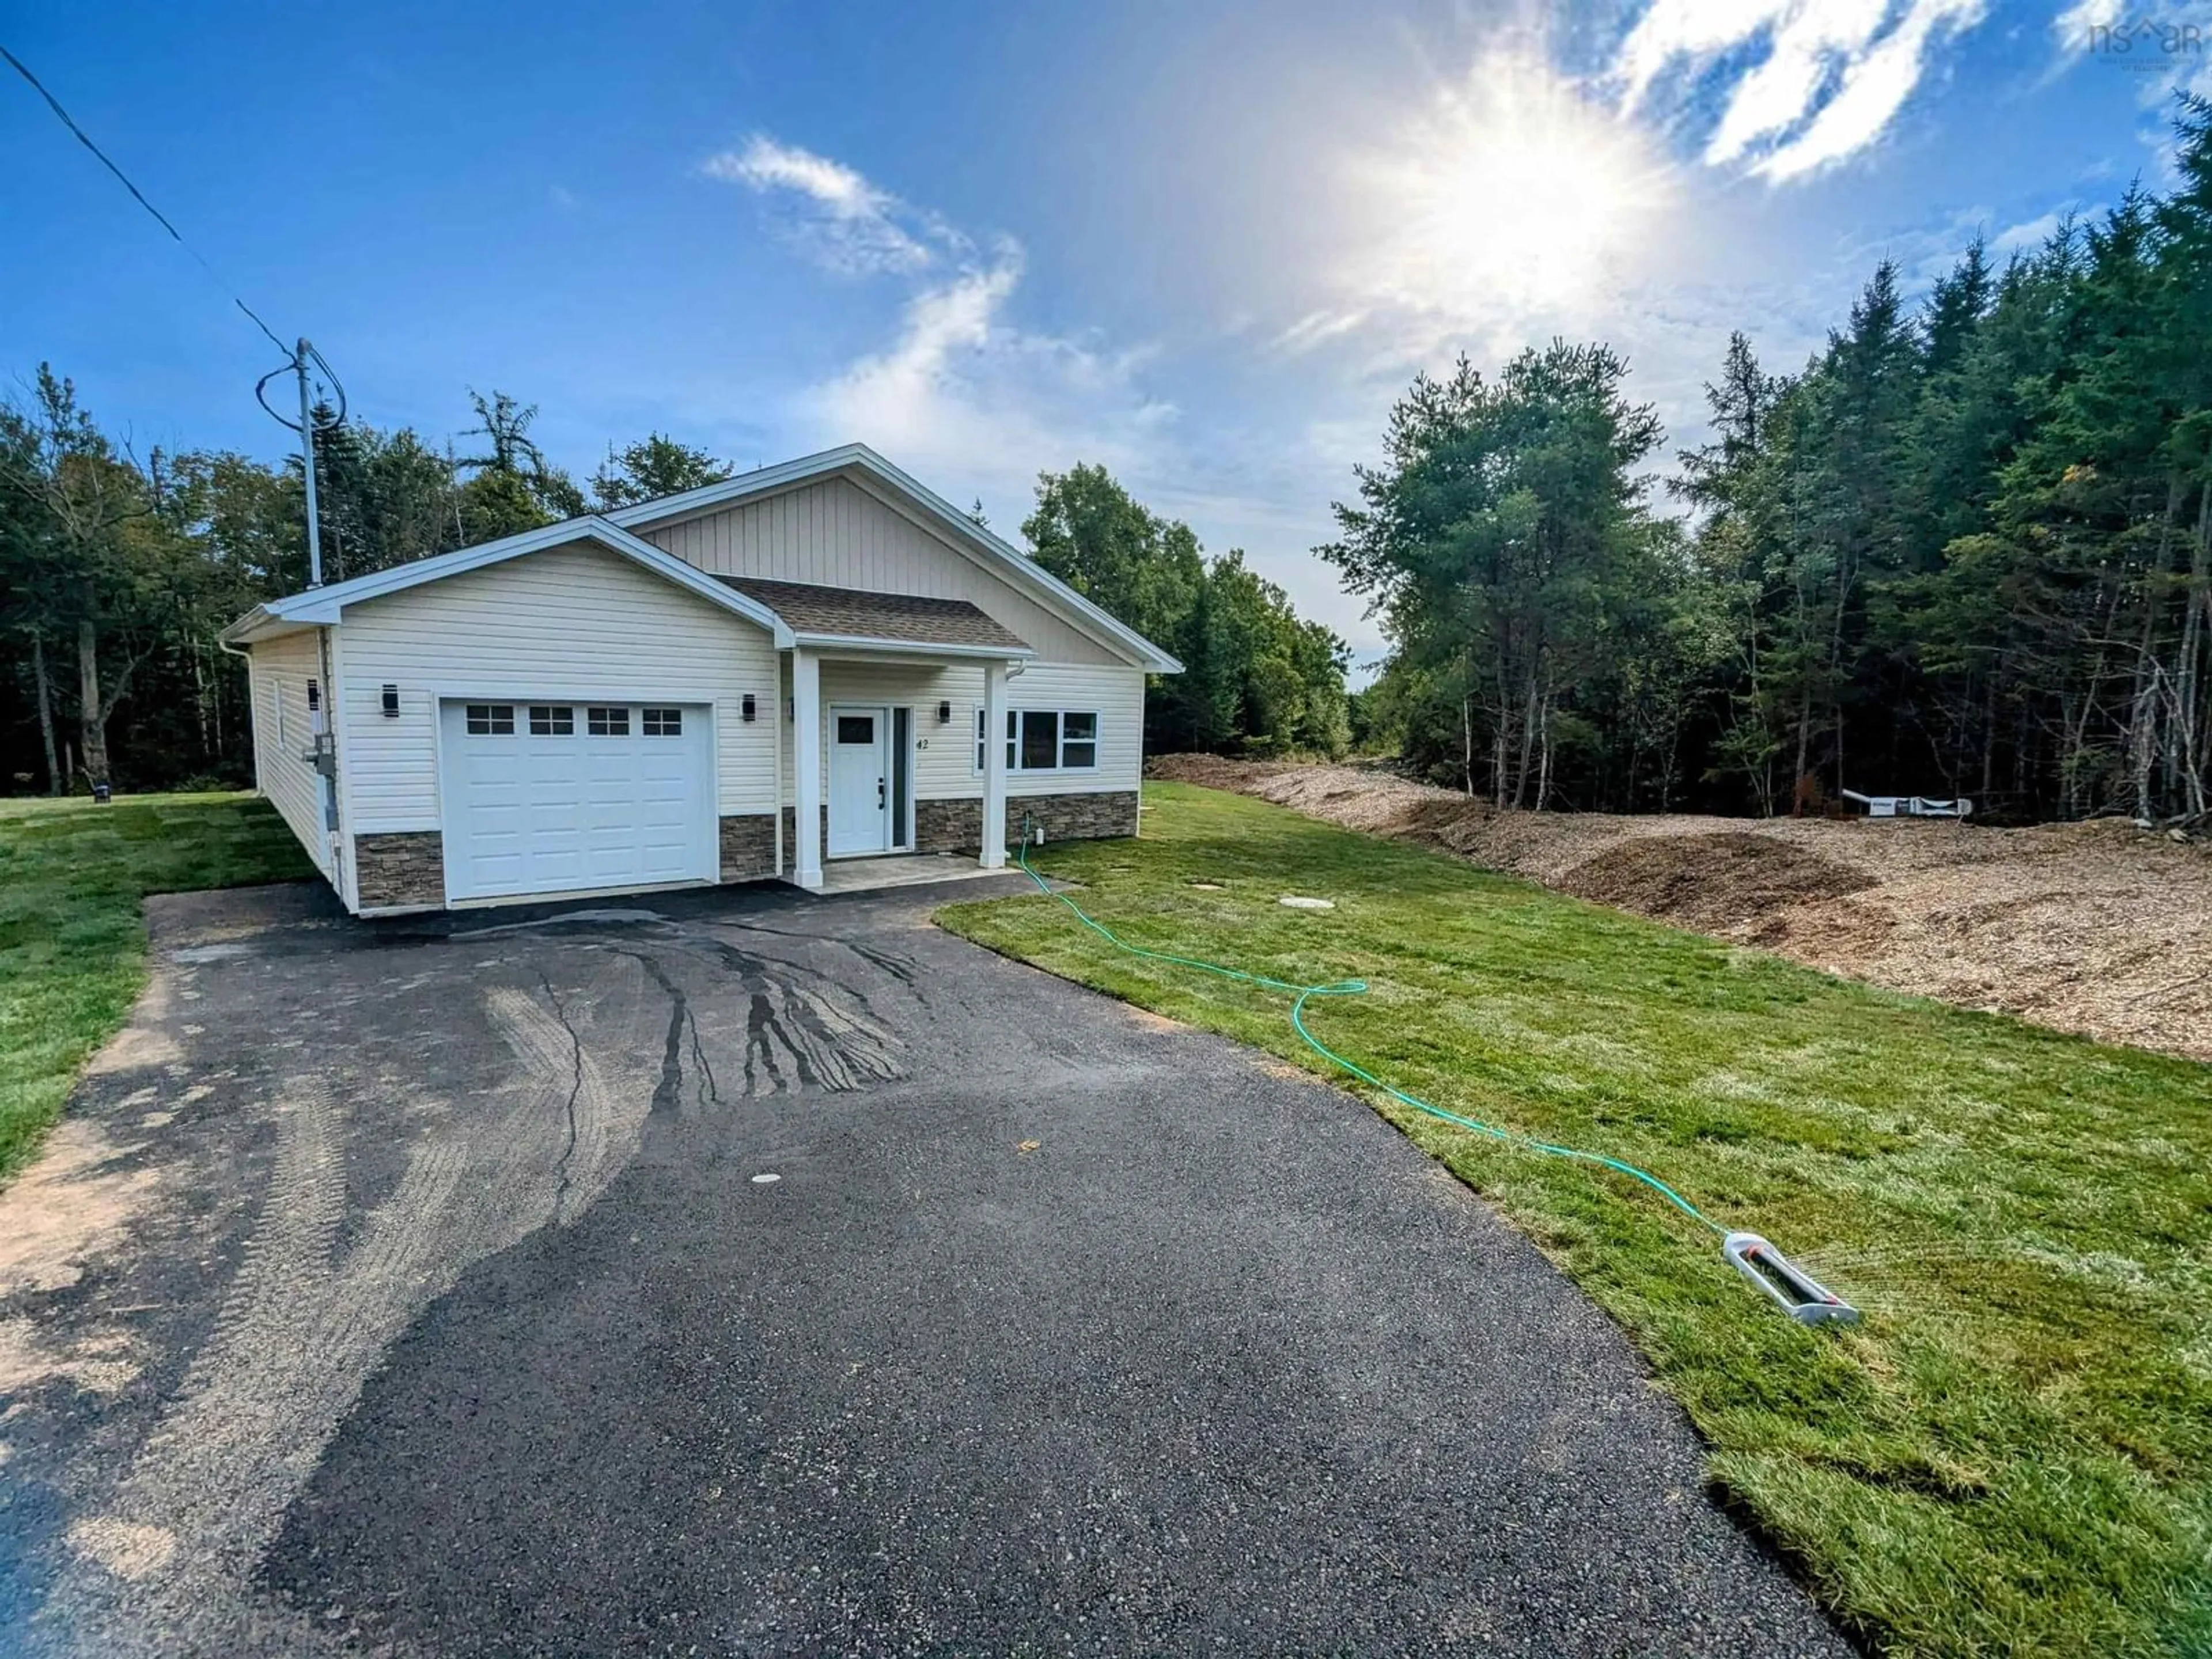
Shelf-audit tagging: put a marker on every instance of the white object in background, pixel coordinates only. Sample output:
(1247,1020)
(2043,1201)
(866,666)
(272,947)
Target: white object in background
(1909,807)
(1298,903)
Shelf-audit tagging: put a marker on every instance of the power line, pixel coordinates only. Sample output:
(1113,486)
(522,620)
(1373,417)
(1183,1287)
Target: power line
(139,196)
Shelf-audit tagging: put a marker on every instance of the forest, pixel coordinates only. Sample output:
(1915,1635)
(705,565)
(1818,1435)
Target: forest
(1965,550)
(119,571)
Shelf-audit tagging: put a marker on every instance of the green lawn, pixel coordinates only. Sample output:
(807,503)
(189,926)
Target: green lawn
(72,935)
(2014,1454)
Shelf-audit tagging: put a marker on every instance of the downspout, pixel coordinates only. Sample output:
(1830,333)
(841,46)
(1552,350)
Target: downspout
(326,763)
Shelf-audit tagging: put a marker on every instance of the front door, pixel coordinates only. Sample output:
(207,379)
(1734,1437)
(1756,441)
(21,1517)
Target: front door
(859,780)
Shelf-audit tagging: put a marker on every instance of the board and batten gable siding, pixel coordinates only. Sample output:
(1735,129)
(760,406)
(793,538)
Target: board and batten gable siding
(279,669)
(946,770)
(567,624)
(838,534)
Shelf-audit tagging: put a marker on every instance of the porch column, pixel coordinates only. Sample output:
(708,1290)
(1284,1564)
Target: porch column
(994,855)
(806,767)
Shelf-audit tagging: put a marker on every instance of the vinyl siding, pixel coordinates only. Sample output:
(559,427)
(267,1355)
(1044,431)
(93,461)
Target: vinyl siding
(565,624)
(946,768)
(1118,695)
(279,669)
(837,533)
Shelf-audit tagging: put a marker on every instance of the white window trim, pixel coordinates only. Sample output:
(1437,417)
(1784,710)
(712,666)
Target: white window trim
(1014,767)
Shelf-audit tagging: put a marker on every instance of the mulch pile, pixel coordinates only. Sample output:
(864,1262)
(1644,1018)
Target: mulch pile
(2097,927)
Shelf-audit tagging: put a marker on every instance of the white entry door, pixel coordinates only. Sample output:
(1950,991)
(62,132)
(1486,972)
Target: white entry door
(549,798)
(859,780)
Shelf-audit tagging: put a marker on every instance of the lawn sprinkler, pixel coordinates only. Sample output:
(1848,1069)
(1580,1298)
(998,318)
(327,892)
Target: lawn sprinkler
(1796,1292)
(1793,1289)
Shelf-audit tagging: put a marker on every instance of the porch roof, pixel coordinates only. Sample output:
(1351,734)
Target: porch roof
(813,611)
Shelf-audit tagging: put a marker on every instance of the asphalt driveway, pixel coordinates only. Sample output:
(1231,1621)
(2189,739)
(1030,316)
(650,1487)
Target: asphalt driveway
(745,1272)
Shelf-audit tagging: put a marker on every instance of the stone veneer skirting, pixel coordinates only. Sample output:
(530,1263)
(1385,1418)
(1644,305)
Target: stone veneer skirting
(406,869)
(748,846)
(1073,818)
(956,826)
(948,826)
(402,870)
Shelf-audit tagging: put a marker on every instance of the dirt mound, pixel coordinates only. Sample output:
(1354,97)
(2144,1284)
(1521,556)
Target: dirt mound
(2097,927)
(1210,770)
(1711,883)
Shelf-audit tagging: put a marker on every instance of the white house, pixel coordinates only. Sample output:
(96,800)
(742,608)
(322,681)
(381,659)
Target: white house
(816,660)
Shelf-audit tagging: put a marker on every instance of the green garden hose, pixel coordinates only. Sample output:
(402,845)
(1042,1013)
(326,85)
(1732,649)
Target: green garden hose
(1353,987)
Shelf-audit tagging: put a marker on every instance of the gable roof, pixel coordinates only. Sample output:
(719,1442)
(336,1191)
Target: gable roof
(995,554)
(819,614)
(327,603)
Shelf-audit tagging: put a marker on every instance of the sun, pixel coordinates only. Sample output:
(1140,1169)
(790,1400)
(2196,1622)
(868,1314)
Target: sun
(1508,194)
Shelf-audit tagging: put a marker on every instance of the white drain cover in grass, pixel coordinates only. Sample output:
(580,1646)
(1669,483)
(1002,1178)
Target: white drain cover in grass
(1298,903)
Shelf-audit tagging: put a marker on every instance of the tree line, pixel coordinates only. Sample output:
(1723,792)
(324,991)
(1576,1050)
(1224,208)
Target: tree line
(118,572)
(1257,678)
(1967,549)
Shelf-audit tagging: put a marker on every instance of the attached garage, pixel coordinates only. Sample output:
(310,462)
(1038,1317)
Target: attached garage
(546,796)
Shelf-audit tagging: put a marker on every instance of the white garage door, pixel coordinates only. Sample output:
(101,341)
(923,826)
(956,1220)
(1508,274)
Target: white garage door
(548,798)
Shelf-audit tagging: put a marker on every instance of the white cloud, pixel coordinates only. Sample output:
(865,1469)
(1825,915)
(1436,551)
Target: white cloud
(2027,236)
(849,224)
(1834,76)
(2075,25)
(962,394)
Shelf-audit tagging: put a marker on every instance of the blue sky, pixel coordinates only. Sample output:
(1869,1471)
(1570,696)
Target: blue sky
(1205,245)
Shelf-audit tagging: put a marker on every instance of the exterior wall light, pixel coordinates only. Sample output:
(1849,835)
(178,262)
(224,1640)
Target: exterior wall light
(945,712)
(749,709)
(392,702)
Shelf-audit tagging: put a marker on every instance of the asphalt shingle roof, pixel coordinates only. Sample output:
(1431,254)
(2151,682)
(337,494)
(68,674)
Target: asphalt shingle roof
(903,618)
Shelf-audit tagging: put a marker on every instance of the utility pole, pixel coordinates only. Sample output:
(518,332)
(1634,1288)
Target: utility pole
(307,449)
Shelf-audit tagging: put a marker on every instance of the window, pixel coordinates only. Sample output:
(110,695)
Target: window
(491,720)
(663,722)
(856,729)
(607,723)
(1040,748)
(1078,742)
(1045,740)
(551,722)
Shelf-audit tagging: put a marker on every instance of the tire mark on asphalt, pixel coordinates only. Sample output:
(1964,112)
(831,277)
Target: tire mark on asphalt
(603,1123)
(668,1093)
(798,1021)
(710,1093)
(575,1088)
(760,1027)
(243,1431)
(164,1561)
